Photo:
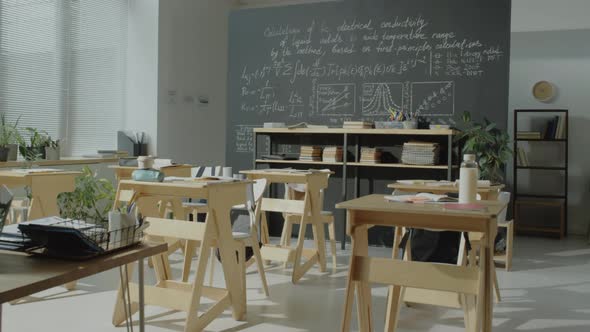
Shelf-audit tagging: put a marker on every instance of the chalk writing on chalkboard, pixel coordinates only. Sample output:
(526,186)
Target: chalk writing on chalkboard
(433,98)
(244,138)
(379,98)
(336,99)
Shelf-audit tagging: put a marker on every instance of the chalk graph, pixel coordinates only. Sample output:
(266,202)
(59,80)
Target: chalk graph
(336,99)
(379,98)
(433,98)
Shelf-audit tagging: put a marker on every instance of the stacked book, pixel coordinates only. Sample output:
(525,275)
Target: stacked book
(522,157)
(370,155)
(528,135)
(420,153)
(357,125)
(555,128)
(332,154)
(310,153)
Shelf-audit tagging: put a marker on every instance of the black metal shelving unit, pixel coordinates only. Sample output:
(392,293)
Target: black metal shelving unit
(550,200)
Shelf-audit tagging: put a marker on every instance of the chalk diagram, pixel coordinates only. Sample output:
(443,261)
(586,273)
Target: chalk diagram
(378,98)
(433,98)
(336,99)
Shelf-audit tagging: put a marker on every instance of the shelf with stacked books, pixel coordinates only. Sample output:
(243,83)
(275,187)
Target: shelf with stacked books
(365,153)
(531,126)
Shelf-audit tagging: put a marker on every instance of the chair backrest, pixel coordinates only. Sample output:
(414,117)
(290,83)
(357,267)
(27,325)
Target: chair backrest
(300,188)
(503,197)
(254,196)
(201,171)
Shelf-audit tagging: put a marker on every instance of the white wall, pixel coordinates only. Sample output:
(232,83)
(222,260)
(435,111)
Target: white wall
(142,70)
(193,63)
(562,57)
(550,15)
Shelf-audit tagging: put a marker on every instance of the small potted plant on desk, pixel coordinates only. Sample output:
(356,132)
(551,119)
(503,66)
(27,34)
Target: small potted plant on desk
(8,134)
(52,149)
(36,149)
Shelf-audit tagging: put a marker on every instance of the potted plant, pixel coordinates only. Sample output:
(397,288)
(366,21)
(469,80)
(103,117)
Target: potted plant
(8,136)
(36,148)
(52,149)
(490,145)
(91,200)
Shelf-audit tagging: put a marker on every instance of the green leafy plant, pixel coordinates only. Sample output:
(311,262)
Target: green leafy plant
(490,145)
(35,149)
(8,132)
(53,144)
(91,200)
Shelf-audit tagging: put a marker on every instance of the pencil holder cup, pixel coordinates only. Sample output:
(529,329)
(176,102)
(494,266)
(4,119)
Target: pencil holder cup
(140,149)
(121,229)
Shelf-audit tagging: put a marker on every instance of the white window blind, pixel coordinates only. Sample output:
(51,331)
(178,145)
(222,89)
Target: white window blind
(31,67)
(62,67)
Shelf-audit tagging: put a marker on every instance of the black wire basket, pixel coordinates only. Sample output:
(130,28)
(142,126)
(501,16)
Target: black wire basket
(75,239)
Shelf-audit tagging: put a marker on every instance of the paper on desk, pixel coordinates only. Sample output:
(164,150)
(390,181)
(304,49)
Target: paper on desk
(416,182)
(36,170)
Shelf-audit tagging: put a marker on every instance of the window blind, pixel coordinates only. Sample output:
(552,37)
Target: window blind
(31,69)
(97,86)
(62,69)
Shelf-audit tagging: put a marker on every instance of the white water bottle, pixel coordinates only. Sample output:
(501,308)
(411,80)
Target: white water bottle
(468,179)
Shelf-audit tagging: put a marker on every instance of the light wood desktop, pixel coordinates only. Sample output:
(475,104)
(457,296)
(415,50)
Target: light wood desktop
(473,282)
(310,211)
(486,193)
(214,232)
(124,172)
(22,275)
(44,189)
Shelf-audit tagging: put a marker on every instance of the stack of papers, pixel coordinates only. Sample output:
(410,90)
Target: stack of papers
(357,125)
(420,198)
(36,170)
(370,155)
(310,153)
(332,154)
(419,153)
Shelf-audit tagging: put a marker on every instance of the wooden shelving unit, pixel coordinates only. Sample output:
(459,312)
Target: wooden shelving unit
(541,200)
(349,135)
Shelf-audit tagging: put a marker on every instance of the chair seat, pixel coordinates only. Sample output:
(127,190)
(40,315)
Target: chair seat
(326,213)
(240,235)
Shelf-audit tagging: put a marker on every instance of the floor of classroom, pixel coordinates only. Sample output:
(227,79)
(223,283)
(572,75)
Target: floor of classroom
(548,290)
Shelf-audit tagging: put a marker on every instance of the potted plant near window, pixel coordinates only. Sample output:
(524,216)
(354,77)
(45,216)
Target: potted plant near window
(36,148)
(91,200)
(52,149)
(490,145)
(10,137)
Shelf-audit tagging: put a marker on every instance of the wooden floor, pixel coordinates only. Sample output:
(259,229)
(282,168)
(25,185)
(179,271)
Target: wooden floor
(548,290)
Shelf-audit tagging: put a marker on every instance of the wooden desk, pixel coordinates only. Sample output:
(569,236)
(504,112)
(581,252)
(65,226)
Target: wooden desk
(215,232)
(367,211)
(487,193)
(124,172)
(310,211)
(44,189)
(22,275)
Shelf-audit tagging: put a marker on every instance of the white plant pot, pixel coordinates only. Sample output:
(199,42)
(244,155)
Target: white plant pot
(52,153)
(13,152)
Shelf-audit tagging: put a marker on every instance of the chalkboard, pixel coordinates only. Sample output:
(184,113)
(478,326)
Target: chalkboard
(325,63)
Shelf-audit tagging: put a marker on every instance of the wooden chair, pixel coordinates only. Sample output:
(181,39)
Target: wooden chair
(181,295)
(250,238)
(196,208)
(297,191)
